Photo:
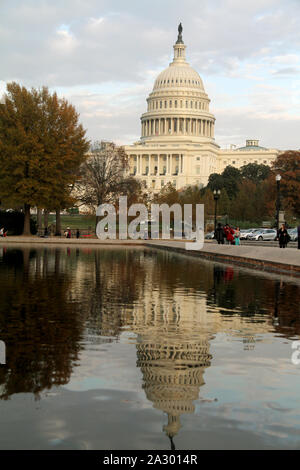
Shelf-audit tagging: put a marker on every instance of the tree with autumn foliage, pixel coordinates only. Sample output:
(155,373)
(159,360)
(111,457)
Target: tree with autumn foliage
(42,146)
(288,165)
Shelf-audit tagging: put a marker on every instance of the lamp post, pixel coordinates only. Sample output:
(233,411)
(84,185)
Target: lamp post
(217,193)
(278,178)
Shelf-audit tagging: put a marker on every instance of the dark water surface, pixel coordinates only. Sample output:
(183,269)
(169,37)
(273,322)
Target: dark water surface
(142,349)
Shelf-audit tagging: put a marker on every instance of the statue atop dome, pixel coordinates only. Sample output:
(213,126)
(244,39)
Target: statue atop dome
(179,39)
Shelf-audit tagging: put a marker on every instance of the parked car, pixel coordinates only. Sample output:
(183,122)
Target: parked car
(293,233)
(245,233)
(263,234)
(210,235)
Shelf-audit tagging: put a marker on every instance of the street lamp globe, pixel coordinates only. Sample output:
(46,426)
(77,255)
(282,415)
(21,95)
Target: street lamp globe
(278,177)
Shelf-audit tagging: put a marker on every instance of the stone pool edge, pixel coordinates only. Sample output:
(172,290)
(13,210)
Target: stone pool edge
(271,259)
(254,262)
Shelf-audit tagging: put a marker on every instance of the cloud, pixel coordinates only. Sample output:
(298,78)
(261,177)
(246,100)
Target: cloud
(104,55)
(287,71)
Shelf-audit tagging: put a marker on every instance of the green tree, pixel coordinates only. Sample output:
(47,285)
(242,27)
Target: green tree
(42,146)
(249,203)
(224,203)
(255,172)
(231,177)
(215,181)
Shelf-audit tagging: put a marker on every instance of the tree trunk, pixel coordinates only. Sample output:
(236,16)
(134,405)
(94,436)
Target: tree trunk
(26,229)
(98,218)
(39,221)
(58,223)
(46,214)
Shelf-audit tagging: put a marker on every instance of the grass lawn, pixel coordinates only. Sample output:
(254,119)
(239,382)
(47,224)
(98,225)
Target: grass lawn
(75,221)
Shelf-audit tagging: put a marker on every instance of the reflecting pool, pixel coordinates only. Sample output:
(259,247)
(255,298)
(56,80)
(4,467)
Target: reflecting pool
(122,348)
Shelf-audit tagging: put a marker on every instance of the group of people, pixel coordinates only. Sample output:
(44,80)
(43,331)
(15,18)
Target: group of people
(231,236)
(227,235)
(68,233)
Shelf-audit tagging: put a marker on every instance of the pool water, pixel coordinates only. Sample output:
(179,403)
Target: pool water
(134,348)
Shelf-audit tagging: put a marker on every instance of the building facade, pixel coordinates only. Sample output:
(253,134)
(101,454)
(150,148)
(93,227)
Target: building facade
(177,143)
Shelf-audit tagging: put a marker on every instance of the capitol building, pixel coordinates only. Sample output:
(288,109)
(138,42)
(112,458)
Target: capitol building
(177,143)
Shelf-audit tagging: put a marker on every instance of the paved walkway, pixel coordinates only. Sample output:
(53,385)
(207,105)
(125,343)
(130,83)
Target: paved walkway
(267,258)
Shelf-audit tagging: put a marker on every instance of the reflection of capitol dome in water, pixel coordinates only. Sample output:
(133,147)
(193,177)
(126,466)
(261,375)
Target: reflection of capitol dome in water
(172,347)
(172,374)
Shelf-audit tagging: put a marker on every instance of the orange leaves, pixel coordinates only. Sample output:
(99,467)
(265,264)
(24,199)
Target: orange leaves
(42,146)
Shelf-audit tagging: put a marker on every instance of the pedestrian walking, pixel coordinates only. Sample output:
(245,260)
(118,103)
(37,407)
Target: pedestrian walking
(282,236)
(78,234)
(298,233)
(219,234)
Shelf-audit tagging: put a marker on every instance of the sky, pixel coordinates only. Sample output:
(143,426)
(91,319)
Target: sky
(103,56)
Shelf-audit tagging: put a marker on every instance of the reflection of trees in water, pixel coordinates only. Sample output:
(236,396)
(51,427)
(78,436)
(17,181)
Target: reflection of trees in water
(256,298)
(233,290)
(230,289)
(171,272)
(118,276)
(286,308)
(39,323)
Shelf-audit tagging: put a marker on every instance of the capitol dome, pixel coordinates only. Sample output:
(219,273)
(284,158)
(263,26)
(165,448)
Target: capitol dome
(178,107)
(177,144)
(179,75)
